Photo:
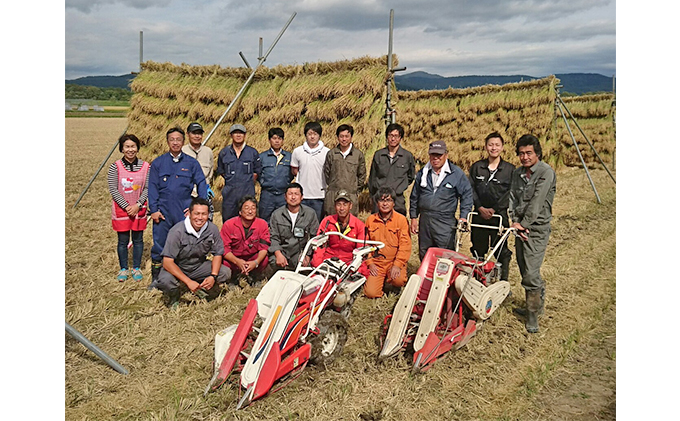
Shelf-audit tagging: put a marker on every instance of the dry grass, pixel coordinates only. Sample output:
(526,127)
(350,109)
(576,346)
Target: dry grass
(502,374)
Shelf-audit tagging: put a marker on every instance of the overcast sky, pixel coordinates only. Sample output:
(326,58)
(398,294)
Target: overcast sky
(446,37)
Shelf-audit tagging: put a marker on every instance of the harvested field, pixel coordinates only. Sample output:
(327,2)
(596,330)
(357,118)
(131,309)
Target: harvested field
(567,371)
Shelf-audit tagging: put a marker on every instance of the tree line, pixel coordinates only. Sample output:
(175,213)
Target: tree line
(92,92)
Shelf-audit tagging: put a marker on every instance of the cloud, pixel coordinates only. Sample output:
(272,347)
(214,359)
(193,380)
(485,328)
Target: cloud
(86,6)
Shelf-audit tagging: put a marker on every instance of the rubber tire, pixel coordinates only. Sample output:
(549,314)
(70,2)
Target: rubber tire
(328,344)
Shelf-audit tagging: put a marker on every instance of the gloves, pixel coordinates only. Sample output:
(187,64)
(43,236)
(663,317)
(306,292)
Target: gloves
(211,193)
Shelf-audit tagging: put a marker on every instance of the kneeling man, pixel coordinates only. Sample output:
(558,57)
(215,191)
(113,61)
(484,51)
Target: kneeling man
(346,223)
(185,256)
(391,228)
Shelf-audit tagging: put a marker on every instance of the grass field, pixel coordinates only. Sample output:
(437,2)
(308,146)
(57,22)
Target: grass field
(567,371)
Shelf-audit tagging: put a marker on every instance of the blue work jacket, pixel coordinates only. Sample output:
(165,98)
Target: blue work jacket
(171,184)
(444,200)
(238,171)
(275,177)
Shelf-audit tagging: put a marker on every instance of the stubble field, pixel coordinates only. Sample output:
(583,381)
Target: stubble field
(565,372)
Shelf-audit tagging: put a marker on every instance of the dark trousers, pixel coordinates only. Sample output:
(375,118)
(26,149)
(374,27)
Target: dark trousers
(317,205)
(269,202)
(484,239)
(172,286)
(160,234)
(137,248)
(435,229)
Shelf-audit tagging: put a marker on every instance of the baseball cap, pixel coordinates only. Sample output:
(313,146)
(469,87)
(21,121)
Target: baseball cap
(237,127)
(194,127)
(342,195)
(438,147)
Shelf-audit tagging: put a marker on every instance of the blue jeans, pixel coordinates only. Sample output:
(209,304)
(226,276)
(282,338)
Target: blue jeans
(137,248)
(317,205)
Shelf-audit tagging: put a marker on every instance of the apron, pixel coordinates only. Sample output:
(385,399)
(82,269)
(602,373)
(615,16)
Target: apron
(130,186)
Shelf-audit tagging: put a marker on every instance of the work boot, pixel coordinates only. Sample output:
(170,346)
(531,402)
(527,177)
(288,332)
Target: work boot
(172,299)
(533,308)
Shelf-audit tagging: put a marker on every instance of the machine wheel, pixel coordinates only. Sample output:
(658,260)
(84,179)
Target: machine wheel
(328,344)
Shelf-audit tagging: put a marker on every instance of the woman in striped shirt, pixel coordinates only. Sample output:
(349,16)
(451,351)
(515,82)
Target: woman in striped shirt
(128,179)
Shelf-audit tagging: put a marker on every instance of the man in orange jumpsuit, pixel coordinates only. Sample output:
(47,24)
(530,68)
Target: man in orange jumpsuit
(388,269)
(343,221)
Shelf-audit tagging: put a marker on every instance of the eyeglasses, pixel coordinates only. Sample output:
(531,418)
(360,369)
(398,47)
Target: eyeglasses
(385,200)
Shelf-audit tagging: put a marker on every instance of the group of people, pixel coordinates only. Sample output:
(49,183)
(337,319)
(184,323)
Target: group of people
(315,189)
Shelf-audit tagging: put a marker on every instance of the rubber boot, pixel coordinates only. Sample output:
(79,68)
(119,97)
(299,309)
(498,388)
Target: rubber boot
(172,299)
(533,307)
(155,270)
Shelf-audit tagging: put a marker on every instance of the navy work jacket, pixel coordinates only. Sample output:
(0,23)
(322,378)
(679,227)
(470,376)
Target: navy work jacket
(171,184)
(275,177)
(238,171)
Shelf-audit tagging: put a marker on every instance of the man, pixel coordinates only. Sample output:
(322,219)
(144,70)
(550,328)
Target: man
(185,256)
(240,166)
(391,228)
(344,222)
(306,164)
(246,240)
(291,226)
(531,196)
(204,156)
(344,169)
(392,166)
(201,153)
(490,181)
(438,187)
(275,174)
(172,178)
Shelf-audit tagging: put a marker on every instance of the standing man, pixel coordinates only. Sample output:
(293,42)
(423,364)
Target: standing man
(306,164)
(204,156)
(393,167)
(275,176)
(438,187)
(490,181)
(531,196)
(172,178)
(291,226)
(240,166)
(344,222)
(344,169)
(388,269)
(185,256)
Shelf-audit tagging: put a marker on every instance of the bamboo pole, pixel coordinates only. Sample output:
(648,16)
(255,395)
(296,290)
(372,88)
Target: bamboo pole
(579,154)
(94,348)
(250,78)
(586,138)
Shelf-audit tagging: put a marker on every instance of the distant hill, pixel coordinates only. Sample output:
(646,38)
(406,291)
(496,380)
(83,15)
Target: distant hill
(122,81)
(575,83)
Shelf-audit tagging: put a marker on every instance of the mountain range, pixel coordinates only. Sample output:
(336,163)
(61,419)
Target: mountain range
(574,83)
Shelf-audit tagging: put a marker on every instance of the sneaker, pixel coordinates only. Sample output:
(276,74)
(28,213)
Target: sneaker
(123,275)
(137,274)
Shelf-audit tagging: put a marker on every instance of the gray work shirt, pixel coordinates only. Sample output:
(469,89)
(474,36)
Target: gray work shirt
(190,252)
(397,172)
(289,239)
(531,198)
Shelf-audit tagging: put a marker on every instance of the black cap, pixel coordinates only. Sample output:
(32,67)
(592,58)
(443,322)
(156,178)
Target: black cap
(194,127)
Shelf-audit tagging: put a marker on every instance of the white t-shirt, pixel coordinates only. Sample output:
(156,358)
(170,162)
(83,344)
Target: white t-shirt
(310,169)
(293,218)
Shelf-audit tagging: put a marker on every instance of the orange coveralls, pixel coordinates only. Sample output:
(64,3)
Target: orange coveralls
(395,234)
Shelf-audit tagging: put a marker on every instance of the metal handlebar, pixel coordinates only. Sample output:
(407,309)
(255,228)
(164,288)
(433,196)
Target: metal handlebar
(322,238)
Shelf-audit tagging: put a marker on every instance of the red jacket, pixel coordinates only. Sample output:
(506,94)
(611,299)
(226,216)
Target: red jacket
(245,247)
(338,247)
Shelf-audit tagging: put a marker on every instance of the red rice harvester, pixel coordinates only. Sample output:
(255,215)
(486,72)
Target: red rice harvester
(296,318)
(428,318)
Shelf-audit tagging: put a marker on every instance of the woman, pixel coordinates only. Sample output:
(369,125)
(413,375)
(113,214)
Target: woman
(128,179)
(490,181)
